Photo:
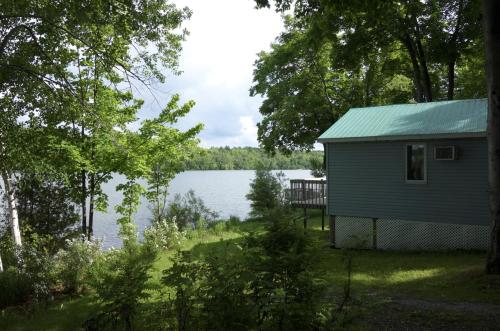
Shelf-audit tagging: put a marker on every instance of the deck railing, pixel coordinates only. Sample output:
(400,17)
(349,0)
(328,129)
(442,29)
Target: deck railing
(308,193)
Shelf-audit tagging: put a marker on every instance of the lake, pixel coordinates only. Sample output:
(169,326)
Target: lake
(222,191)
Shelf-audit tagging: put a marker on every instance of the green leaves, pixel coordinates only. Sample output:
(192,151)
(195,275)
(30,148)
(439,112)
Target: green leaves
(335,55)
(307,85)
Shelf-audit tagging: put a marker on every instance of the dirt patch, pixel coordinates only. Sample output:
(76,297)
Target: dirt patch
(416,314)
(463,307)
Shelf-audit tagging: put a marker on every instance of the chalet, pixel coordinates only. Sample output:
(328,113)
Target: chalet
(411,176)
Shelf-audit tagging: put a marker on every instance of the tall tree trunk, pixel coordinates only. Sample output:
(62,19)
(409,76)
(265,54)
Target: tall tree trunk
(159,213)
(91,206)
(491,8)
(12,207)
(417,80)
(1,264)
(84,201)
(84,188)
(453,52)
(451,80)
(425,71)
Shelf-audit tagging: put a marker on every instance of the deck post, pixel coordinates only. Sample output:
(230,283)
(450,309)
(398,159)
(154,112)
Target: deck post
(322,219)
(305,218)
(332,231)
(304,190)
(374,233)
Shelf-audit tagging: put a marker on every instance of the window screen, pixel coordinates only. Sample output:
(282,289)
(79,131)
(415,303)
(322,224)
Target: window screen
(415,162)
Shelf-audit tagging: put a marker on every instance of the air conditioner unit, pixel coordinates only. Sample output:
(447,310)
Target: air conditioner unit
(445,153)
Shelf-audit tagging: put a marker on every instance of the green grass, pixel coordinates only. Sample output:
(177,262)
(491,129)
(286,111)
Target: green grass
(444,276)
(447,276)
(63,314)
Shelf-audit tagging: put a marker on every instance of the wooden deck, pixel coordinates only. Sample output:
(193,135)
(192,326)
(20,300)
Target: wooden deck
(308,193)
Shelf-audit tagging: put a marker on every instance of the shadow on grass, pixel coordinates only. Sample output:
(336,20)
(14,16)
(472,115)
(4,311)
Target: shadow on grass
(439,275)
(445,276)
(61,315)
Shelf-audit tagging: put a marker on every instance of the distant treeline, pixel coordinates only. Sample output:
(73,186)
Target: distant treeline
(249,158)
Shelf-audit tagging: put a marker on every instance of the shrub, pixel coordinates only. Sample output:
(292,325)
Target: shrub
(225,292)
(266,193)
(8,250)
(185,278)
(211,294)
(15,287)
(267,285)
(33,266)
(164,235)
(233,221)
(75,261)
(284,289)
(47,208)
(120,277)
(218,227)
(189,209)
(317,167)
(38,266)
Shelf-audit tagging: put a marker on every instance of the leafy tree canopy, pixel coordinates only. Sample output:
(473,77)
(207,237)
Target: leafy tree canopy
(335,55)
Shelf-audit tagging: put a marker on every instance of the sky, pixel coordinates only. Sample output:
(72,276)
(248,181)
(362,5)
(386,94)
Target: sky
(217,64)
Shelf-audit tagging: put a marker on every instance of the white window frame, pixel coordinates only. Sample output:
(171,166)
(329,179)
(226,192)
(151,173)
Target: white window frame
(412,181)
(454,148)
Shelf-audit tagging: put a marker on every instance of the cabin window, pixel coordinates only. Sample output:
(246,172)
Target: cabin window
(415,163)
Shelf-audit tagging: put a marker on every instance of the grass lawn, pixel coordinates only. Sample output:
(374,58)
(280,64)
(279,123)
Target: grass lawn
(391,290)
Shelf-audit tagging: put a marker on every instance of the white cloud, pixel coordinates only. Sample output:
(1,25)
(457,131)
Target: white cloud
(246,136)
(217,64)
(248,131)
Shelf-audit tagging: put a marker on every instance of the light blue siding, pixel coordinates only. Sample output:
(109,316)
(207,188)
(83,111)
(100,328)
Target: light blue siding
(367,179)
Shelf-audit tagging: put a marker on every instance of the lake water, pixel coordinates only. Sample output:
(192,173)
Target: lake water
(222,191)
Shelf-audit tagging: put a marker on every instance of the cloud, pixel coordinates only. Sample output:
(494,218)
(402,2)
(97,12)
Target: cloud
(245,136)
(217,64)
(248,131)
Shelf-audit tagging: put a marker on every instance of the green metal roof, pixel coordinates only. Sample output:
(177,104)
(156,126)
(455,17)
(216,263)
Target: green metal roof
(431,120)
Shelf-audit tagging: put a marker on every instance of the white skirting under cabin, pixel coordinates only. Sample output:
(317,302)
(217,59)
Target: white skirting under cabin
(394,234)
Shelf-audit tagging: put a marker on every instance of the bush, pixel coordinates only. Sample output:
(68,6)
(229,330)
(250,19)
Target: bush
(218,227)
(74,262)
(38,266)
(233,221)
(15,287)
(226,292)
(211,294)
(266,193)
(266,285)
(284,290)
(33,266)
(188,210)
(185,278)
(317,167)
(164,235)
(47,208)
(120,277)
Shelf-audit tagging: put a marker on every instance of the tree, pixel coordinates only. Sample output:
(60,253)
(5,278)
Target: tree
(266,192)
(110,44)
(47,209)
(307,85)
(166,150)
(423,49)
(492,38)
(120,278)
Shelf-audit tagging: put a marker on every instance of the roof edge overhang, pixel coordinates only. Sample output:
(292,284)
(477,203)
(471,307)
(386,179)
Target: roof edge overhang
(404,137)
